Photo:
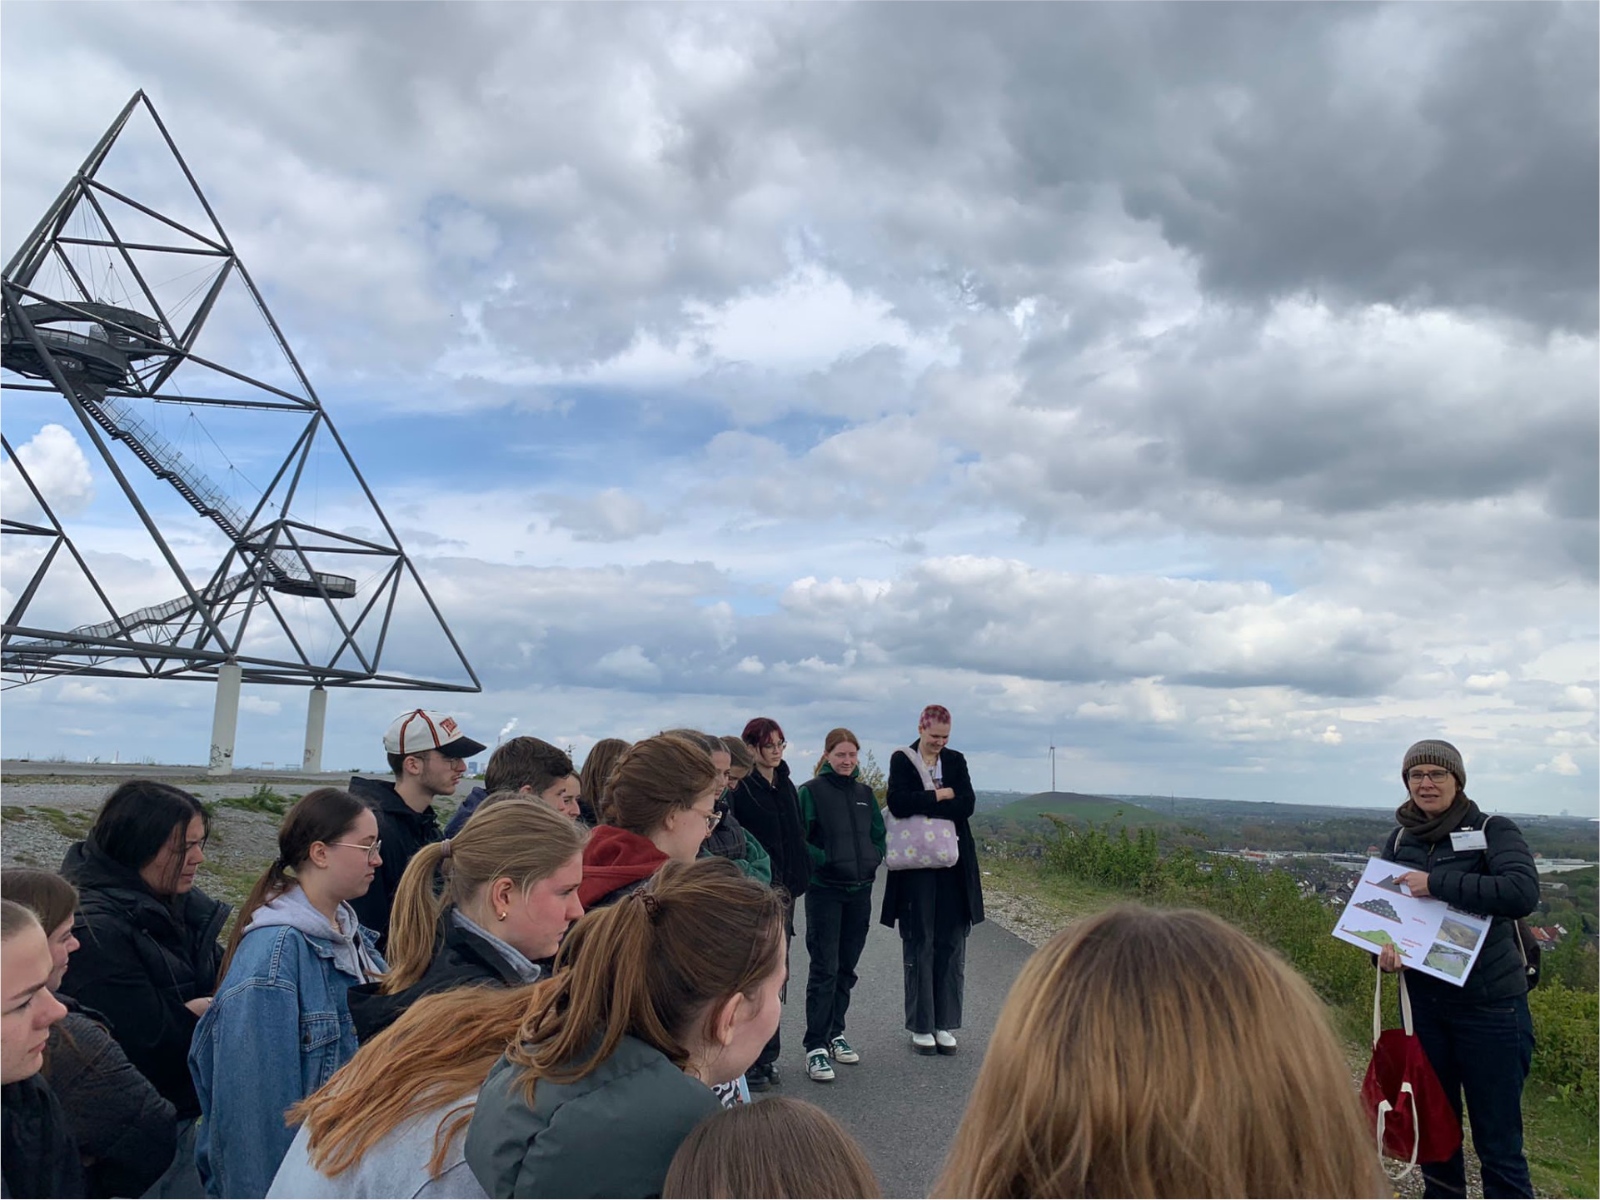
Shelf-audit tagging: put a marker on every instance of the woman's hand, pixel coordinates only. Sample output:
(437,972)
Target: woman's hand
(198,1005)
(1389,960)
(1417,881)
(944,794)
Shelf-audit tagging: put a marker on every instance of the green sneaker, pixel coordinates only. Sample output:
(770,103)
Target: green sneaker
(818,1066)
(843,1052)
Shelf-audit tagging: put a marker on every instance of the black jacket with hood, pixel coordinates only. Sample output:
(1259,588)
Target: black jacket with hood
(771,812)
(460,959)
(142,957)
(126,1131)
(403,832)
(1499,882)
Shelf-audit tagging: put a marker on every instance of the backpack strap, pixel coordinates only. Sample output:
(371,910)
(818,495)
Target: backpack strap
(1389,846)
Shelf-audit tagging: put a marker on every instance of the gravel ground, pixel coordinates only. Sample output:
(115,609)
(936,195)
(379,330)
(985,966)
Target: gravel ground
(45,814)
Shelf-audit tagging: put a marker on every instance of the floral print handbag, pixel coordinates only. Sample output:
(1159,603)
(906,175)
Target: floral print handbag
(918,843)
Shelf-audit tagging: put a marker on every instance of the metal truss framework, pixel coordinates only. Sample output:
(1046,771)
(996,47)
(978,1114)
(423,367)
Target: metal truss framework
(106,360)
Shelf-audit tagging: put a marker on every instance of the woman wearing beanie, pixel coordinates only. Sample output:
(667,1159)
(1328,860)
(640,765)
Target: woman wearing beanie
(1478,1036)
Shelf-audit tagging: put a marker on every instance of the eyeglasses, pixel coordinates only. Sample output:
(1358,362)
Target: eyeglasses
(712,819)
(1428,776)
(372,850)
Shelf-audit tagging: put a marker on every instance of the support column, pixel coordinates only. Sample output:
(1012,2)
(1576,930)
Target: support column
(225,721)
(316,719)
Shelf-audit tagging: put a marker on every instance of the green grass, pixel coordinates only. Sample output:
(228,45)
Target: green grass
(1561,1145)
(72,826)
(1056,900)
(1076,807)
(14,812)
(262,800)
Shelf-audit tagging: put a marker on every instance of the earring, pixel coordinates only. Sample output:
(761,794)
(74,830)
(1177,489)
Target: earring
(502,916)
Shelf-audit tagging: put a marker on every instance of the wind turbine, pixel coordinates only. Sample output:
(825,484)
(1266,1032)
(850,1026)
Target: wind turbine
(1052,765)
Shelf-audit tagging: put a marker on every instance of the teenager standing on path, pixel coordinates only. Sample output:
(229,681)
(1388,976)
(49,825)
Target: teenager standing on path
(936,907)
(845,839)
(280,1026)
(148,952)
(1479,1036)
(768,806)
(427,753)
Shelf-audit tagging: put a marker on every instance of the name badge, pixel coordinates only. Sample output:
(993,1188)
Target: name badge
(1468,839)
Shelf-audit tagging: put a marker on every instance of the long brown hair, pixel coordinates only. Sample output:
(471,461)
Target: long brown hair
(52,899)
(779,1148)
(596,770)
(648,966)
(323,815)
(653,778)
(1150,1053)
(835,736)
(525,840)
(437,1052)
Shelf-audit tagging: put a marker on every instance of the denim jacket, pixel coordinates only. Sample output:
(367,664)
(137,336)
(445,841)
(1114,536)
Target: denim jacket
(277,1031)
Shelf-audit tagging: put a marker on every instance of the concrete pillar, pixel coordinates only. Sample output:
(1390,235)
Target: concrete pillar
(225,721)
(316,719)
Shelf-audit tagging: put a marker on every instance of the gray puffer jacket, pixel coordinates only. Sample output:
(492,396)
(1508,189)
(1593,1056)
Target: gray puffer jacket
(1500,882)
(612,1133)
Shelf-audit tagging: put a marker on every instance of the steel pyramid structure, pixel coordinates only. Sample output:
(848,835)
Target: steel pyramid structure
(130,319)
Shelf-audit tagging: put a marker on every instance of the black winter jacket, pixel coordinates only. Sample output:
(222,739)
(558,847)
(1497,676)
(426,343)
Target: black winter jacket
(403,832)
(460,959)
(37,1154)
(907,797)
(1500,882)
(844,830)
(126,1131)
(141,958)
(771,812)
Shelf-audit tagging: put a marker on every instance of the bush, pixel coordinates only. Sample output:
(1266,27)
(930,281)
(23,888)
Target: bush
(1268,906)
(1566,1053)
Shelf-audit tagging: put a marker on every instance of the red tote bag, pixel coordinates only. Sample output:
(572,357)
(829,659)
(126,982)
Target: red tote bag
(1411,1117)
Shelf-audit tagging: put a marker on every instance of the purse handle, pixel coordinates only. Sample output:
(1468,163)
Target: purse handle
(1384,1108)
(1377,1009)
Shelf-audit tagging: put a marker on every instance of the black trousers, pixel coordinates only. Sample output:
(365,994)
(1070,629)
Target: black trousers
(836,932)
(933,947)
(769,1052)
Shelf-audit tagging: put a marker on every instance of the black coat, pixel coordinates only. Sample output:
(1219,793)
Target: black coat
(126,1131)
(141,958)
(1500,882)
(771,812)
(37,1154)
(908,798)
(460,959)
(403,832)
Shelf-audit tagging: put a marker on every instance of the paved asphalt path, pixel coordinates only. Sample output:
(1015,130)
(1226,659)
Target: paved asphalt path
(902,1107)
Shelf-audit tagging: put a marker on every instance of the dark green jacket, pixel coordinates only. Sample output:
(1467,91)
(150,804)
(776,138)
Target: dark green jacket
(612,1133)
(838,846)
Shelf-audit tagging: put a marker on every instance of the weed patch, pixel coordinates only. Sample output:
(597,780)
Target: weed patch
(263,800)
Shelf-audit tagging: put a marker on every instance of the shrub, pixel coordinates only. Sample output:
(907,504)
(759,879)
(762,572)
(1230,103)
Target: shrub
(1566,1053)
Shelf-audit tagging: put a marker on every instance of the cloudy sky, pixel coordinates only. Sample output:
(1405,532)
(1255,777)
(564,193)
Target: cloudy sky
(1208,389)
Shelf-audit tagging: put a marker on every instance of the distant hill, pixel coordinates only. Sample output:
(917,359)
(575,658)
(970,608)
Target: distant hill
(1098,809)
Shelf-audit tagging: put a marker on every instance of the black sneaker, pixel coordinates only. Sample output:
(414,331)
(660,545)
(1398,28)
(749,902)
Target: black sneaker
(772,1075)
(757,1079)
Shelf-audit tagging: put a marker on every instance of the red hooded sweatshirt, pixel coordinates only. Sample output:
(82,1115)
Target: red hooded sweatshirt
(613,858)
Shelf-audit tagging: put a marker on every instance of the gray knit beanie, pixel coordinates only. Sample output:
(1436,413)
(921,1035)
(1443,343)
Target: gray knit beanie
(1432,752)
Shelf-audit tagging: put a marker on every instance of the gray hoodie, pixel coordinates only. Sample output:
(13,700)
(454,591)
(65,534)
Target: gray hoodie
(350,953)
(396,1165)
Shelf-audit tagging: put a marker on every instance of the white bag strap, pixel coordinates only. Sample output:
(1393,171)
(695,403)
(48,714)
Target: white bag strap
(1377,1008)
(1384,1108)
(915,758)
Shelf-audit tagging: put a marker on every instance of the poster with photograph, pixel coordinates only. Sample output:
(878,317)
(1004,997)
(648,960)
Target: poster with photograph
(1429,935)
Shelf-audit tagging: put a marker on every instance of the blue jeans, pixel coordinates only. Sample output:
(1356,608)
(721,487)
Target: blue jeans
(1483,1050)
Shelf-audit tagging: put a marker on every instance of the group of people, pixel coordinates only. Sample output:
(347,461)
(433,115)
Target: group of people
(573,988)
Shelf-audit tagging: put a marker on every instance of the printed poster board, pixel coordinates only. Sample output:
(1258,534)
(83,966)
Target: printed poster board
(1431,936)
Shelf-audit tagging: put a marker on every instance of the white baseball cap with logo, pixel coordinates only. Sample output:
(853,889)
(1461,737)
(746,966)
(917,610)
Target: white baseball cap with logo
(420,730)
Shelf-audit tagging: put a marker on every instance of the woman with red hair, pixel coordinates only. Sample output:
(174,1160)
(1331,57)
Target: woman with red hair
(935,906)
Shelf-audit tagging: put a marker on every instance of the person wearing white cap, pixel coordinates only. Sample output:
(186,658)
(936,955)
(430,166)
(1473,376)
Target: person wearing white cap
(427,753)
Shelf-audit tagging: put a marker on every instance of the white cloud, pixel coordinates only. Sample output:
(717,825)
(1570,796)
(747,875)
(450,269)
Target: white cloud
(56,464)
(1561,764)
(630,663)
